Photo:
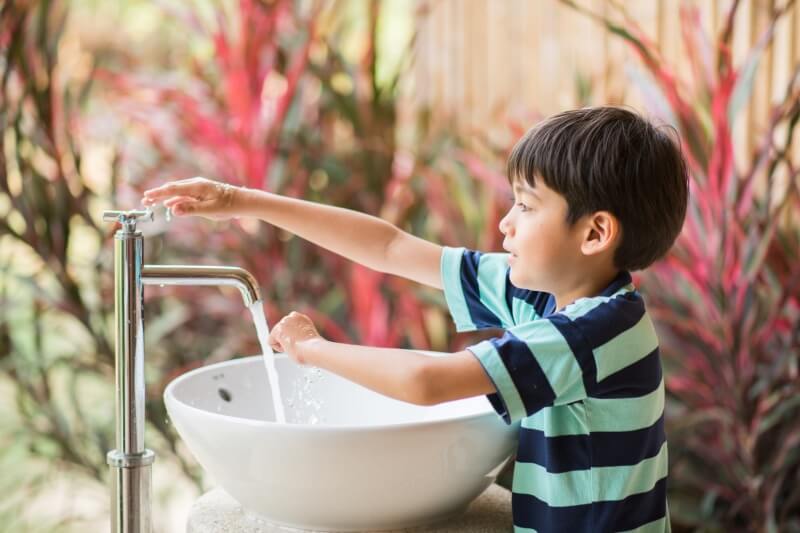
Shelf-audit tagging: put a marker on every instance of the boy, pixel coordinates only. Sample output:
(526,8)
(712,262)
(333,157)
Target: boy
(598,192)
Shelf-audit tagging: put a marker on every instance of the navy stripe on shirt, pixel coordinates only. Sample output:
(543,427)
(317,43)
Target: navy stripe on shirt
(637,379)
(581,351)
(542,302)
(565,453)
(481,317)
(528,377)
(613,317)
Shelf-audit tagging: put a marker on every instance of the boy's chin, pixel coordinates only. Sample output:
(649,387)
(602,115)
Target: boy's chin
(513,276)
(522,283)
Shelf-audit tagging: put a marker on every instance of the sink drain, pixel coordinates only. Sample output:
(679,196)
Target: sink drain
(224,394)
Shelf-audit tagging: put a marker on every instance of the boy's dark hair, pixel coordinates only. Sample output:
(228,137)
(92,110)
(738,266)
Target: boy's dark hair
(611,159)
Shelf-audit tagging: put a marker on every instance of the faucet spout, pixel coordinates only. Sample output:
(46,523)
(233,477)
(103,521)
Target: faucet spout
(204,275)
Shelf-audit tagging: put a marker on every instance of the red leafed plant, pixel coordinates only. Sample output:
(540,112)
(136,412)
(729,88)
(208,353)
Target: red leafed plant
(233,109)
(727,298)
(295,117)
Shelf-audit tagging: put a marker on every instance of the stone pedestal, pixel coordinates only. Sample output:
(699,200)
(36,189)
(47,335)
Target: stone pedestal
(216,512)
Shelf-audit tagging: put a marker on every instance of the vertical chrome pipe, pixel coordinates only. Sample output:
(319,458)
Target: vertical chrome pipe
(130,463)
(130,384)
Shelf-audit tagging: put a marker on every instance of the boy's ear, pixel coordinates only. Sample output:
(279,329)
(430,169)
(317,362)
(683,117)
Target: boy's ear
(602,230)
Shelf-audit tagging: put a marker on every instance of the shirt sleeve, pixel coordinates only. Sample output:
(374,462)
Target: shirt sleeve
(533,365)
(477,289)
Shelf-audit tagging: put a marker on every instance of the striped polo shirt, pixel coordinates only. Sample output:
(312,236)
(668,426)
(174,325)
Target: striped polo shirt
(585,383)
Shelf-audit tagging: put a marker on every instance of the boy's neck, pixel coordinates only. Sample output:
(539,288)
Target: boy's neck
(586,287)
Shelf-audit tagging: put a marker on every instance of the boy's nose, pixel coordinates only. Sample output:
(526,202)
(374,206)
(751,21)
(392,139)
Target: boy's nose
(505,227)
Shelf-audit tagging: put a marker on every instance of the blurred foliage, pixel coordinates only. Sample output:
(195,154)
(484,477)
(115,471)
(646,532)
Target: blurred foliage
(264,94)
(727,298)
(54,339)
(295,98)
(46,206)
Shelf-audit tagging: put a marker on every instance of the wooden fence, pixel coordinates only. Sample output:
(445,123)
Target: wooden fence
(479,63)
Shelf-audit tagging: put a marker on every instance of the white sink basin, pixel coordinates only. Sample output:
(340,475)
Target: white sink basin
(349,460)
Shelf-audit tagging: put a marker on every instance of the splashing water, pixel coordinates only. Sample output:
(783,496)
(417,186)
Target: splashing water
(260,321)
(307,400)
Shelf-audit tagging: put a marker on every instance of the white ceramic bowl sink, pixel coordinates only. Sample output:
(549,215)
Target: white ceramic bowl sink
(365,462)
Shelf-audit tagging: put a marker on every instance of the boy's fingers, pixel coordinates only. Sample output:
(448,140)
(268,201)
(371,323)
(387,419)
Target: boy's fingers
(170,202)
(191,207)
(190,187)
(273,341)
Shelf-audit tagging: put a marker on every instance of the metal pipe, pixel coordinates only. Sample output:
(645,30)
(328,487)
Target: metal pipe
(131,462)
(204,275)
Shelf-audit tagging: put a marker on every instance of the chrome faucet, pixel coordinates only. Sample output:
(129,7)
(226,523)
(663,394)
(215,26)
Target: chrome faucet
(131,463)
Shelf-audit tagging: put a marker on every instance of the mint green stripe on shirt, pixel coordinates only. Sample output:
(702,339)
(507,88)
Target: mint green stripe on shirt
(581,306)
(607,483)
(625,414)
(559,420)
(492,270)
(494,366)
(631,345)
(453,293)
(555,358)
(522,311)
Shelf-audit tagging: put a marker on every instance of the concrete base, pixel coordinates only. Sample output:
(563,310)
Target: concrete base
(216,512)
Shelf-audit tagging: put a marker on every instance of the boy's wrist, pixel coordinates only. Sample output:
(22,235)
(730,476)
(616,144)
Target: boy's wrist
(245,201)
(309,351)
(237,200)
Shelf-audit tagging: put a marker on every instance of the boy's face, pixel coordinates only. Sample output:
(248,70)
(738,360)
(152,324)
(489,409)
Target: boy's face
(544,248)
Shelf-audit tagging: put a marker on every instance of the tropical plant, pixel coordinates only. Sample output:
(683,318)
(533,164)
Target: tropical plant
(45,201)
(56,349)
(333,140)
(265,98)
(727,298)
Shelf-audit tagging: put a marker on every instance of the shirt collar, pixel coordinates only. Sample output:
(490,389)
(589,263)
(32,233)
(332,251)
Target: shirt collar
(622,278)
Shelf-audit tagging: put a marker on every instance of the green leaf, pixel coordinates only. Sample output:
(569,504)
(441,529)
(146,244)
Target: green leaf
(745,81)
(778,413)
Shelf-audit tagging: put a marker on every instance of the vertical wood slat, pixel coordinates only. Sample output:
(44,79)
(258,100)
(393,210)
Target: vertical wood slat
(488,61)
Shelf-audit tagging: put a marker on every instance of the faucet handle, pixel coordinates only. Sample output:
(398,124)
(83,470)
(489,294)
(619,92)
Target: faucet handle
(128,219)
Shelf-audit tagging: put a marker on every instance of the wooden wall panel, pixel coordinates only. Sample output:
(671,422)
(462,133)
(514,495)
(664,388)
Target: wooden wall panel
(481,63)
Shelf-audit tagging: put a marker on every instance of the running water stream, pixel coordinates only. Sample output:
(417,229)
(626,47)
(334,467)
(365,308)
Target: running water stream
(260,321)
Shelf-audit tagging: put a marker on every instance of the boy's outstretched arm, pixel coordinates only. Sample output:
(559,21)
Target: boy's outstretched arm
(401,374)
(362,238)
(365,239)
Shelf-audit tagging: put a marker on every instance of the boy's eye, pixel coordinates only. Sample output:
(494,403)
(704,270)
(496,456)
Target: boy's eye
(522,206)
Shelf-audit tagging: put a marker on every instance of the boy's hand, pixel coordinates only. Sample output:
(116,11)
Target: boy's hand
(195,196)
(290,333)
